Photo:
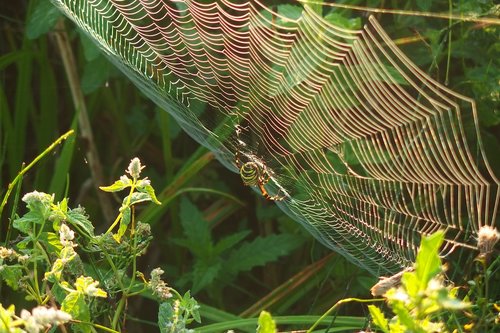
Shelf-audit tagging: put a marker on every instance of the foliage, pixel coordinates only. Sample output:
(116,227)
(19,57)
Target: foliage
(46,263)
(425,303)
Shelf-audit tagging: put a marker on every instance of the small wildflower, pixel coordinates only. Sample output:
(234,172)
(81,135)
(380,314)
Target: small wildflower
(35,197)
(6,253)
(42,318)
(158,286)
(487,237)
(66,235)
(134,168)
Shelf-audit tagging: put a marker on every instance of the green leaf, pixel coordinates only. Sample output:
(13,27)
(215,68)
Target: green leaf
(190,305)
(379,318)
(151,192)
(204,273)
(124,222)
(90,50)
(404,316)
(118,185)
(78,218)
(43,19)
(11,275)
(196,229)
(25,223)
(228,242)
(75,305)
(266,323)
(342,21)
(260,251)
(95,74)
(165,315)
(428,263)
(137,197)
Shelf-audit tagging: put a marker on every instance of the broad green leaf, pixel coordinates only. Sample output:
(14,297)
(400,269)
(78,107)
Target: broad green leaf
(379,318)
(78,218)
(75,305)
(266,323)
(118,185)
(95,74)
(43,19)
(428,263)
(165,315)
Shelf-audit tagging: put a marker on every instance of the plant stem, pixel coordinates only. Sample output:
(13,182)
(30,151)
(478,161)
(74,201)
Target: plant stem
(336,305)
(29,166)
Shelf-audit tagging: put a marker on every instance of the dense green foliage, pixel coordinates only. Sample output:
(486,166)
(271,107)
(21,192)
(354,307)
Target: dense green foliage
(235,252)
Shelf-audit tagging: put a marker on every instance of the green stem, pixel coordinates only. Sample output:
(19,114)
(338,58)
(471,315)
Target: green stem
(336,305)
(29,166)
(104,328)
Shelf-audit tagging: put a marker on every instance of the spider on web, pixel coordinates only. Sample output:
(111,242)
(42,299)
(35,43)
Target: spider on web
(253,173)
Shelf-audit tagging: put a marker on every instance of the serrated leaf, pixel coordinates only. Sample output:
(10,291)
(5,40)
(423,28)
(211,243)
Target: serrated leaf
(43,19)
(196,229)
(190,305)
(78,218)
(266,323)
(260,251)
(11,275)
(230,241)
(204,273)
(379,318)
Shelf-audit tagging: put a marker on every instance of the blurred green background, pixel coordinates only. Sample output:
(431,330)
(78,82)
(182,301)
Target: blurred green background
(280,267)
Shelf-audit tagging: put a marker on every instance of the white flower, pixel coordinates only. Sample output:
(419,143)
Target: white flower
(134,168)
(42,318)
(158,286)
(66,235)
(36,197)
(487,237)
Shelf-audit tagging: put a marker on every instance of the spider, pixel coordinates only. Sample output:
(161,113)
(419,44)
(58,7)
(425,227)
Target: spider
(254,174)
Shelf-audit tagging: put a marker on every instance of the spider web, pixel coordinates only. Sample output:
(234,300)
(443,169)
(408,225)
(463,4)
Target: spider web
(369,152)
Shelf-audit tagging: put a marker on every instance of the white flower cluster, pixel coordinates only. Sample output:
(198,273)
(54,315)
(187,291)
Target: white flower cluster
(134,168)
(158,286)
(42,318)
(487,237)
(66,235)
